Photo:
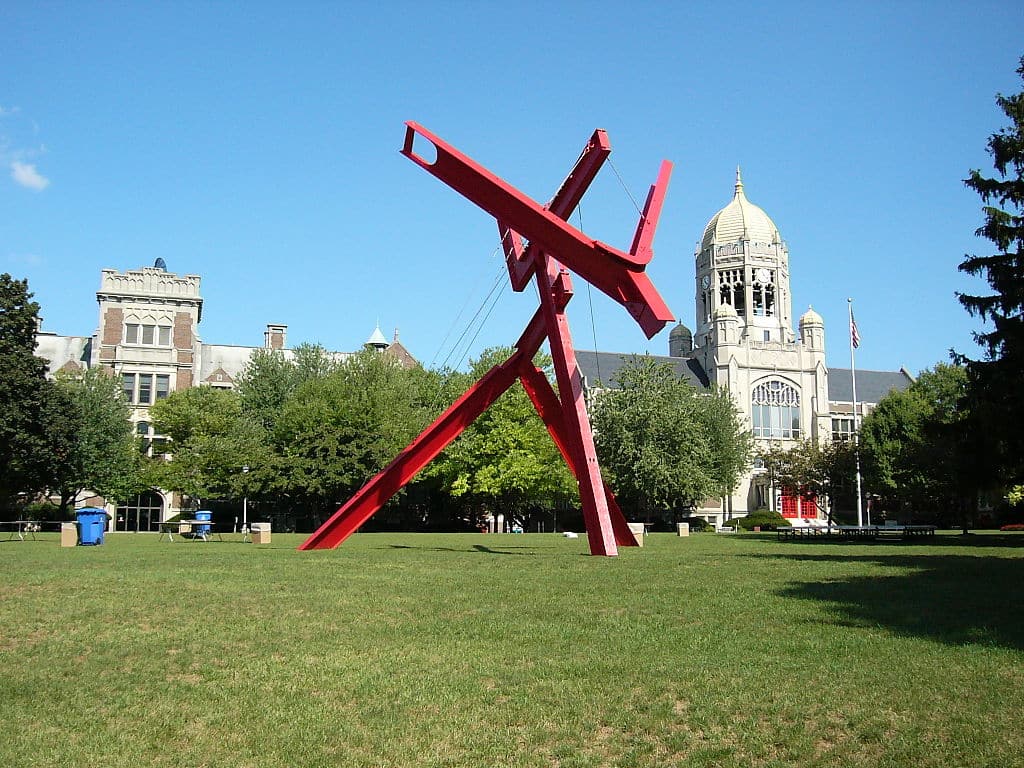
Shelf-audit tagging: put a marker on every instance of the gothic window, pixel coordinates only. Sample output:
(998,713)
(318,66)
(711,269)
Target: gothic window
(775,411)
(730,285)
(764,293)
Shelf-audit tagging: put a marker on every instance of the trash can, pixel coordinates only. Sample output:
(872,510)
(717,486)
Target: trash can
(682,529)
(92,522)
(203,530)
(260,533)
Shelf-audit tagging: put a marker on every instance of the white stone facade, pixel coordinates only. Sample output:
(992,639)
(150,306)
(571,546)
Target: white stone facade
(745,341)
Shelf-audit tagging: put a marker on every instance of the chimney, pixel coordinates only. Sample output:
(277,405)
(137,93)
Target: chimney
(275,336)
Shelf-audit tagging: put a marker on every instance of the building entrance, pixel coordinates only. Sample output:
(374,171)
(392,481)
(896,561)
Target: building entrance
(141,513)
(799,505)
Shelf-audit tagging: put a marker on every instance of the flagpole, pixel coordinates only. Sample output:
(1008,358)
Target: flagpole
(854,343)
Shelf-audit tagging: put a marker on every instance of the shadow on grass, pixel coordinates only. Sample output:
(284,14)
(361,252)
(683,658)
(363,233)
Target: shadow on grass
(475,548)
(974,540)
(952,599)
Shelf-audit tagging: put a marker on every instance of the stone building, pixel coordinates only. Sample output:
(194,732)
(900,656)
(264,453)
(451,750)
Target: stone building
(148,336)
(744,340)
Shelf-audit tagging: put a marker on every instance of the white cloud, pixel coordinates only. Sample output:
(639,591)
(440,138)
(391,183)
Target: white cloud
(26,175)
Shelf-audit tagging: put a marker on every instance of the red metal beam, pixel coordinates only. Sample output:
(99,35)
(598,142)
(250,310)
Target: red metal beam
(616,273)
(644,235)
(546,403)
(522,263)
(420,452)
(579,438)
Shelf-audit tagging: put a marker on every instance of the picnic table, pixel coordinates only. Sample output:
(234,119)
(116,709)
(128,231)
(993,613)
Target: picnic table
(20,527)
(170,527)
(857,532)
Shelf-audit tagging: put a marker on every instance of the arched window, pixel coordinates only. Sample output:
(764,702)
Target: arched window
(730,283)
(775,411)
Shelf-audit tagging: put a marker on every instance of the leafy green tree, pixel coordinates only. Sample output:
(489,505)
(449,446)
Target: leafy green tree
(212,440)
(996,405)
(914,446)
(336,431)
(505,462)
(664,446)
(24,394)
(270,379)
(90,438)
(823,470)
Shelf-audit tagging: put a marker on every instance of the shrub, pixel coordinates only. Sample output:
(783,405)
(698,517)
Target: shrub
(43,510)
(761,518)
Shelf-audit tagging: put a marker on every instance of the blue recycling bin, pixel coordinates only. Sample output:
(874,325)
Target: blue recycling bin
(203,530)
(92,523)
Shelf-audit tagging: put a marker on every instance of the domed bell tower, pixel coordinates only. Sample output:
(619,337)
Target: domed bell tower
(742,262)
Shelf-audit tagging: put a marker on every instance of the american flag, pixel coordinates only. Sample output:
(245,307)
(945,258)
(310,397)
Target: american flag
(854,333)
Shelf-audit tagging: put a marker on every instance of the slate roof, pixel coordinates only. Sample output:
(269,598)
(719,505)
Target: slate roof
(872,386)
(602,366)
(398,350)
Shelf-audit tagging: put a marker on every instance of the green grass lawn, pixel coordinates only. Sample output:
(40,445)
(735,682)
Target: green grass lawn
(480,650)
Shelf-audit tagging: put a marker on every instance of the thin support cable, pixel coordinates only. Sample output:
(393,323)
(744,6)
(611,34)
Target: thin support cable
(483,322)
(590,303)
(497,283)
(458,316)
(623,183)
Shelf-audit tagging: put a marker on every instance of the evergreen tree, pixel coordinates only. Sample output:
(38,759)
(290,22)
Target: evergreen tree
(997,408)
(24,395)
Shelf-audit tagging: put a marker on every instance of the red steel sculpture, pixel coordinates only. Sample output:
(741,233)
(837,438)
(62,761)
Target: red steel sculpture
(552,242)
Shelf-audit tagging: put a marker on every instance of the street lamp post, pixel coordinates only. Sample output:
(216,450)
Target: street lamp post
(245,503)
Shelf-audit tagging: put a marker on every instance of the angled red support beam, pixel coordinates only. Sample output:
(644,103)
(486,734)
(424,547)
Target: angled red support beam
(546,403)
(616,273)
(644,235)
(522,262)
(416,456)
(579,438)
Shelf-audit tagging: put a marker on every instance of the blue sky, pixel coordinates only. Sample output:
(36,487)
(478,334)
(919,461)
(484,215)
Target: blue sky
(257,145)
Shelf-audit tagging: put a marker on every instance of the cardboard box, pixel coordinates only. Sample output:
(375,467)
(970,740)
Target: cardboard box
(637,529)
(68,534)
(260,533)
